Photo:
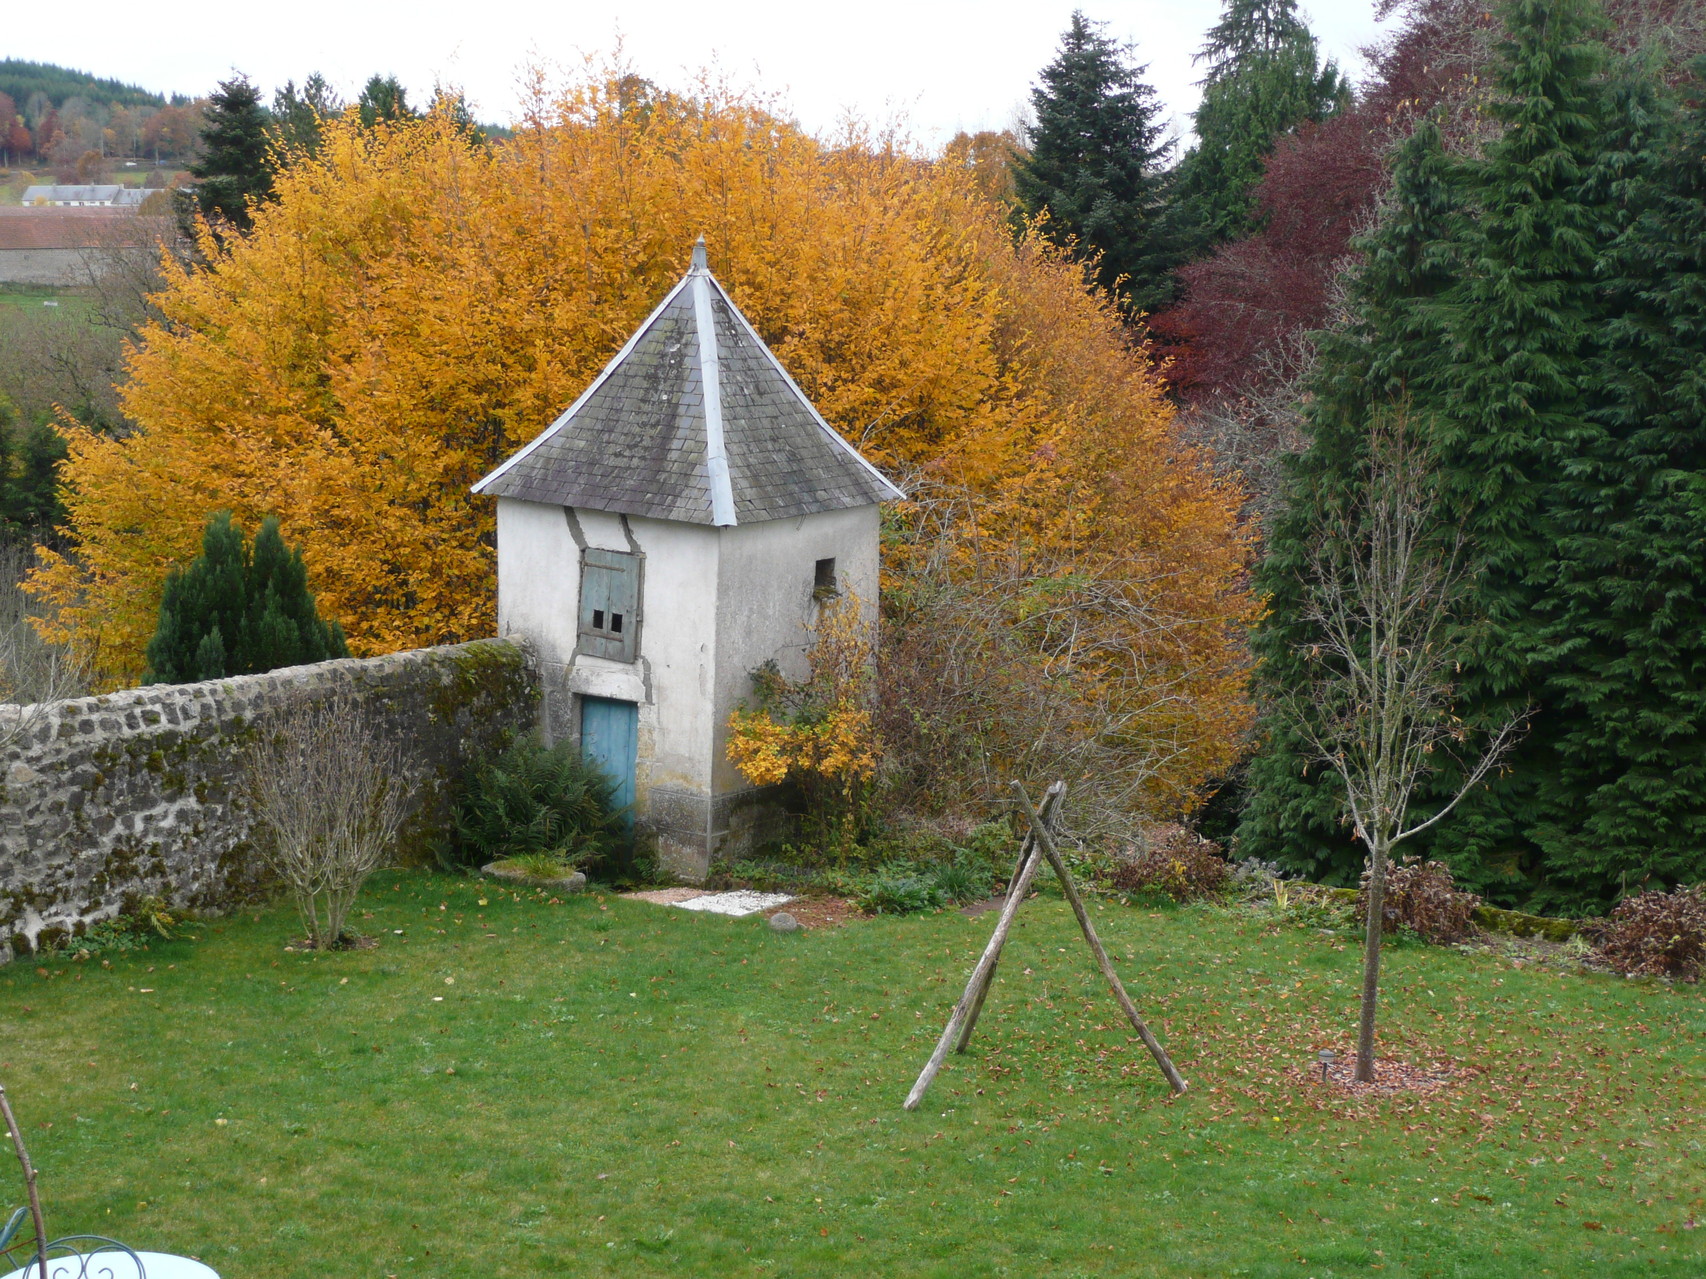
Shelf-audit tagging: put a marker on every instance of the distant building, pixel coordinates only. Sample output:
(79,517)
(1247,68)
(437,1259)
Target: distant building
(104,195)
(56,245)
(677,528)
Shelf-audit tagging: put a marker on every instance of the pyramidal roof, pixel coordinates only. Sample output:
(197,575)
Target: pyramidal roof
(694,420)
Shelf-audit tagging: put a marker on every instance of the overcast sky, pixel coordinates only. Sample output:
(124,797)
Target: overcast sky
(941,65)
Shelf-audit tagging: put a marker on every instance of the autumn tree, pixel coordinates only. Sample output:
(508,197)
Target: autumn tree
(990,156)
(1097,165)
(413,307)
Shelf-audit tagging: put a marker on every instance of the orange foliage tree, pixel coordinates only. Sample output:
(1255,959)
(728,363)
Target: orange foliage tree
(413,307)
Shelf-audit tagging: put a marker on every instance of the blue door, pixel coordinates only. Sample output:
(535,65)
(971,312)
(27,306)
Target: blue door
(610,738)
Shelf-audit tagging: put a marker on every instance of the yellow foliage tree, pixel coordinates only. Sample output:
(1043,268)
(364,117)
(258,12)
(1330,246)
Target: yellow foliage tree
(817,733)
(413,307)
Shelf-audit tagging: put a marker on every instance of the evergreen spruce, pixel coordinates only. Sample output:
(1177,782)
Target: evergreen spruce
(30,455)
(1264,79)
(383,100)
(1097,165)
(1551,338)
(297,114)
(238,610)
(233,174)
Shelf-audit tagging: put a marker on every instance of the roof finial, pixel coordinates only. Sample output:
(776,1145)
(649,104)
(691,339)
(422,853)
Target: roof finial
(699,263)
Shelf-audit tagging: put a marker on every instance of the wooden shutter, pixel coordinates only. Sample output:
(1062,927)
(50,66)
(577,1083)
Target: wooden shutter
(610,605)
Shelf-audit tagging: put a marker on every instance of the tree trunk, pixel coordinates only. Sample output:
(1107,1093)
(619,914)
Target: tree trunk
(36,1222)
(1371,961)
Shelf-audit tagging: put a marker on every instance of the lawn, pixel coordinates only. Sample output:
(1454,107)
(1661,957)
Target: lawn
(603,1087)
(72,303)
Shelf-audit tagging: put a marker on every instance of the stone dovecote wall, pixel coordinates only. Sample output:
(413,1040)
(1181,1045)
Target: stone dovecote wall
(111,799)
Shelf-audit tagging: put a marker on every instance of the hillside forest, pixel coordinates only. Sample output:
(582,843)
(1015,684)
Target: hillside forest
(1144,395)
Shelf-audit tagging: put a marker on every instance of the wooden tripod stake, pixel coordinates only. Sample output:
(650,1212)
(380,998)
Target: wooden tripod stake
(1038,845)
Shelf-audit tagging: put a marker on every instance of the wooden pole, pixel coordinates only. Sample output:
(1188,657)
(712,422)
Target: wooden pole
(1149,1041)
(985,965)
(29,1182)
(1027,850)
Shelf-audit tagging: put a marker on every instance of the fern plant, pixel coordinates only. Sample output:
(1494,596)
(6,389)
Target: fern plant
(532,800)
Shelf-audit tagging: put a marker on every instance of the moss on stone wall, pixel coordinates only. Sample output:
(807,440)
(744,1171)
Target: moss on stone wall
(133,794)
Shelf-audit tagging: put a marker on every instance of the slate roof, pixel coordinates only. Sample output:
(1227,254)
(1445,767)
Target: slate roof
(694,420)
(103,194)
(54,228)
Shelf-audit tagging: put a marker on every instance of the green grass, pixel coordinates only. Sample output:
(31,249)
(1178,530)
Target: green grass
(601,1087)
(74,304)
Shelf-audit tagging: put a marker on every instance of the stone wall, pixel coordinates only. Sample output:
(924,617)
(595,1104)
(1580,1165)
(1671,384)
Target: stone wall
(46,266)
(107,800)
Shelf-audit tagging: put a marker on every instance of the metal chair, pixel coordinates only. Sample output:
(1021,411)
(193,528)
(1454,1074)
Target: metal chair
(71,1256)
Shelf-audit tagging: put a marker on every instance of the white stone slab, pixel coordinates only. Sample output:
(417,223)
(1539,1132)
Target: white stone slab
(740,902)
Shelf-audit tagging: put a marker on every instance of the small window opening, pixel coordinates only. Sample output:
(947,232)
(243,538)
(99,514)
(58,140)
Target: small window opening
(616,623)
(598,619)
(824,586)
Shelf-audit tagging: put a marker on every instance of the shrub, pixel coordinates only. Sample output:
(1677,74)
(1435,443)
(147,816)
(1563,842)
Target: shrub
(1253,879)
(1657,934)
(901,890)
(1312,906)
(1420,896)
(1180,864)
(532,799)
(239,610)
(329,792)
(966,878)
(147,921)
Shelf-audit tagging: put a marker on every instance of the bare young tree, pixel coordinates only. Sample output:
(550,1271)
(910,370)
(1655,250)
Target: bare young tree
(33,673)
(1386,589)
(329,792)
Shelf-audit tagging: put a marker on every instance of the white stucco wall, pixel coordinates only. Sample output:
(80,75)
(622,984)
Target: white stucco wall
(715,604)
(765,607)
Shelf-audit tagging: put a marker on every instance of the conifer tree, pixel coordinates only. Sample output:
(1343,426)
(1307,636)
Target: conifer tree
(233,173)
(1516,401)
(298,114)
(238,610)
(383,100)
(1562,378)
(1379,361)
(1265,77)
(1621,631)
(1097,165)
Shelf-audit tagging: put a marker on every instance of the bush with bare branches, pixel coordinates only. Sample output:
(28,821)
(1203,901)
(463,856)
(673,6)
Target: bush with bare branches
(1656,934)
(329,792)
(1420,896)
(1002,660)
(33,673)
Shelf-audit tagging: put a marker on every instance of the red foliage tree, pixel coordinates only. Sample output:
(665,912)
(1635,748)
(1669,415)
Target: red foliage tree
(47,133)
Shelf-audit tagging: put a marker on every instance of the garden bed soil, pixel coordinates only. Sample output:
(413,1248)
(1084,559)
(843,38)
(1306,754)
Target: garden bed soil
(822,912)
(1391,1078)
